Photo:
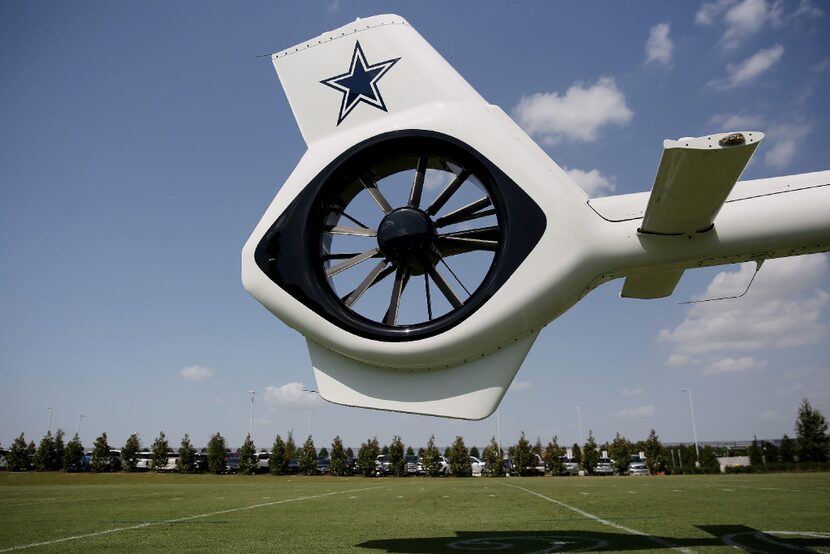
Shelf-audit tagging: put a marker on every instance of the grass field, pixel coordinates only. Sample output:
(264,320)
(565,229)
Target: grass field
(155,512)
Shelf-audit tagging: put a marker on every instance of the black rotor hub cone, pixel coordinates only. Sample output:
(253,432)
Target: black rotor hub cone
(406,237)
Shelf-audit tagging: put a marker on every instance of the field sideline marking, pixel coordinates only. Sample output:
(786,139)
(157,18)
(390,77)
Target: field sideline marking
(597,519)
(177,520)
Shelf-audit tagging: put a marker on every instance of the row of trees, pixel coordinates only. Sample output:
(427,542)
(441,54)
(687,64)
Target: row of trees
(51,454)
(287,457)
(810,446)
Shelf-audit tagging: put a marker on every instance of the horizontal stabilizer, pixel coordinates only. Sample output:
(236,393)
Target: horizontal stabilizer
(471,390)
(654,285)
(694,178)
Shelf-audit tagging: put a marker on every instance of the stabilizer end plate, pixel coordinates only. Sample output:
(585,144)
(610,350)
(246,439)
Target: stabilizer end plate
(694,179)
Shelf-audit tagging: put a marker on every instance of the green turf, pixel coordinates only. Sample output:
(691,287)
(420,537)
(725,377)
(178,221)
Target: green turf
(154,512)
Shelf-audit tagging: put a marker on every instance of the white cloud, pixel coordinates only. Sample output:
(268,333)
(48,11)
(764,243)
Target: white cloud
(709,12)
(744,364)
(742,18)
(436,179)
(780,155)
(520,385)
(291,396)
(750,69)
(678,360)
(592,181)
(745,18)
(785,139)
(642,411)
(578,115)
(659,46)
(783,308)
(755,65)
(196,373)
(631,392)
(807,9)
(737,122)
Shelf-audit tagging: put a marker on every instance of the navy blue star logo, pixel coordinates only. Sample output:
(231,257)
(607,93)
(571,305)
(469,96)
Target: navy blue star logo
(360,83)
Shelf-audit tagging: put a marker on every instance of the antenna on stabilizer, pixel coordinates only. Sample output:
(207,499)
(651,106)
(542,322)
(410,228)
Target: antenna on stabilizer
(758,264)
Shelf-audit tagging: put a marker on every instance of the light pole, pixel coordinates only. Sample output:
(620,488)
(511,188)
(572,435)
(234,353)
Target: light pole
(50,419)
(251,427)
(694,426)
(78,427)
(579,422)
(498,431)
(310,411)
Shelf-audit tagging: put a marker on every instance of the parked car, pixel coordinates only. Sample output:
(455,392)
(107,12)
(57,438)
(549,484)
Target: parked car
(114,463)
(323,465)
(444,464)
(413,465)
(232,463)
(293,466)
(200,463)
(144,461)
(115,460)
(536,466)
(638,466)
(605,466)
(263,462)
(569,466)
(477,466)
(382,465)
(170,466)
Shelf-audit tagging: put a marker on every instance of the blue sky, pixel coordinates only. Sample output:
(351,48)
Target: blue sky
(141,142)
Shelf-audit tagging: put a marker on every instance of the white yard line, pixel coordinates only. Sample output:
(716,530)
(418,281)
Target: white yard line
(176,520)
(657,540)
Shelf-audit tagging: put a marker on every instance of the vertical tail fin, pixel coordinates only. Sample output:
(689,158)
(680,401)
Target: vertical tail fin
(366,72)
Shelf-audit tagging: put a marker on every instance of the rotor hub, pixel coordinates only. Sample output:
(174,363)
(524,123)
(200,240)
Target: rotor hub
(406,237)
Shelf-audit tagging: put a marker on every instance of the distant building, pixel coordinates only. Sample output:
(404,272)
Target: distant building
(732,461)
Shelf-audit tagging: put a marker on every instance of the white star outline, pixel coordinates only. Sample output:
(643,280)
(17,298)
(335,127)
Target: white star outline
(376,100)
